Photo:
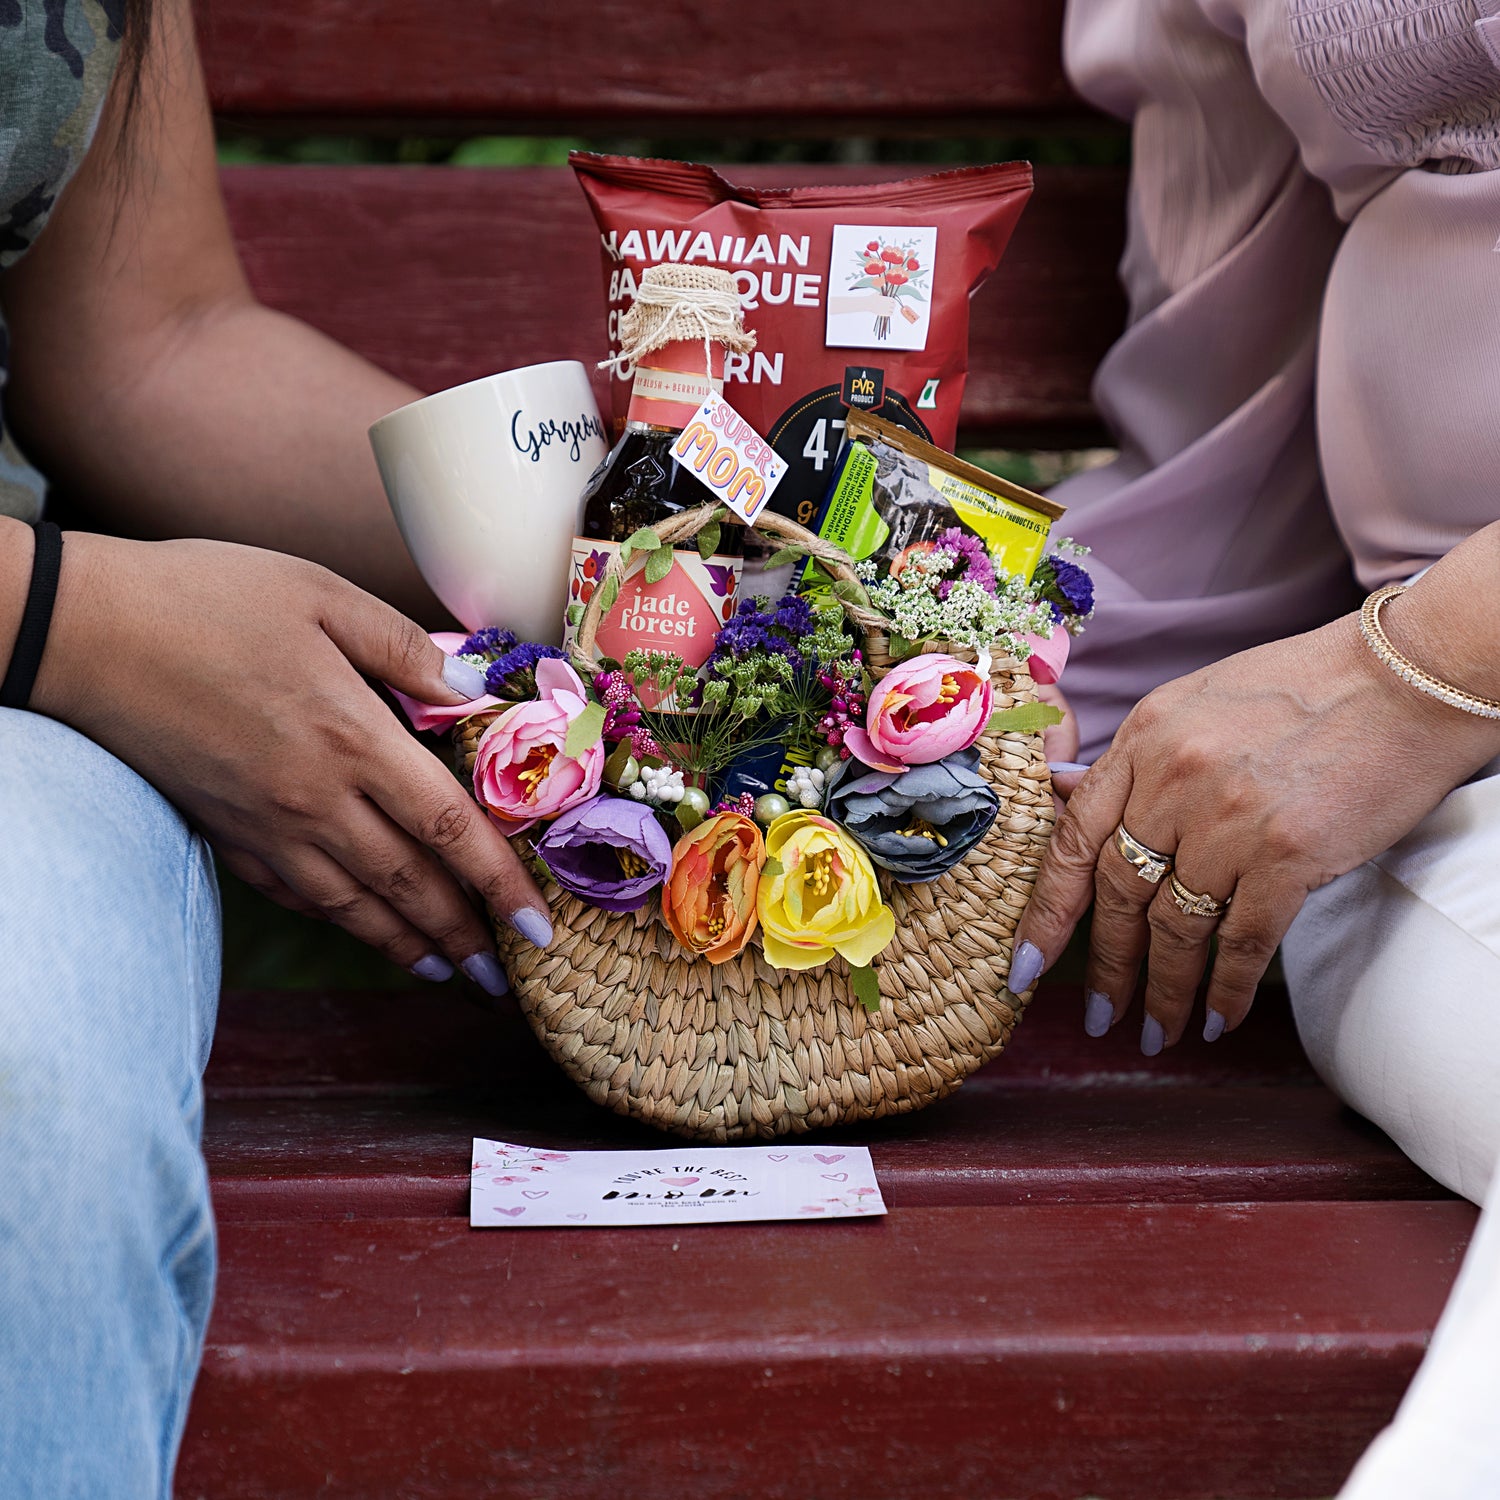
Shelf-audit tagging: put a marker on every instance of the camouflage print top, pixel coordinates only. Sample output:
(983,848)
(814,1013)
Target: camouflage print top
(56,60)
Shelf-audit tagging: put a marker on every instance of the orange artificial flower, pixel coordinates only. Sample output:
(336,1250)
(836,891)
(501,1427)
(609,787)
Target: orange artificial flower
(709,900)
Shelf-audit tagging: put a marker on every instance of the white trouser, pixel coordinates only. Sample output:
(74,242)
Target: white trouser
(1395,980)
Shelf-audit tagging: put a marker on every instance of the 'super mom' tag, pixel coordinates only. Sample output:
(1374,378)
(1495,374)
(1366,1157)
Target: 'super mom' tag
(729,456)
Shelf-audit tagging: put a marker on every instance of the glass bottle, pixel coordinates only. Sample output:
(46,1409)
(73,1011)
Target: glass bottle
(641,484)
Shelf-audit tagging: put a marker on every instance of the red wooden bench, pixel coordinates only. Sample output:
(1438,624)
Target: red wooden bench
(1167,1280)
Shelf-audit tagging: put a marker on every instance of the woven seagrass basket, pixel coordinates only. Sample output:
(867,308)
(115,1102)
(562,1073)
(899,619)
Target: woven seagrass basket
(722,1052)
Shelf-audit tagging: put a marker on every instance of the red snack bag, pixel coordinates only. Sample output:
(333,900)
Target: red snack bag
(858,295)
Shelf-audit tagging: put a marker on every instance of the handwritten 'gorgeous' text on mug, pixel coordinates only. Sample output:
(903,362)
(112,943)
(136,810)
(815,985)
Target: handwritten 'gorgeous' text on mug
(532,441)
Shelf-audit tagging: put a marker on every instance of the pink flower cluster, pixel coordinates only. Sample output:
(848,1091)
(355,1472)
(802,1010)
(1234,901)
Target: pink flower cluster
(848,704)
(622,714)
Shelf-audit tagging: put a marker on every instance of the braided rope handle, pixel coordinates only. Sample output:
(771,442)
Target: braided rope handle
(687,524)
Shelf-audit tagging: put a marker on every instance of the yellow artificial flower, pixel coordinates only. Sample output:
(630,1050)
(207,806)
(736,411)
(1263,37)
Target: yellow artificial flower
(824,898)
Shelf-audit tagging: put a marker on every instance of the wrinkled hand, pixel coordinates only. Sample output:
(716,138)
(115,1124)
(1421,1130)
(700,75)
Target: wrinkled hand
(230,678)
(1059,741)
(1263,777)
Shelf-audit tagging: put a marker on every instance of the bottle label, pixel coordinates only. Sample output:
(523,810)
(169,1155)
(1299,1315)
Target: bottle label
(679,614)
(672,382)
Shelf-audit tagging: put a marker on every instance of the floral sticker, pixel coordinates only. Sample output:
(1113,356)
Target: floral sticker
(880,287)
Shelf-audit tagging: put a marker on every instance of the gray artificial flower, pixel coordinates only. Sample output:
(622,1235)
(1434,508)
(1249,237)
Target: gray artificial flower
(919,823)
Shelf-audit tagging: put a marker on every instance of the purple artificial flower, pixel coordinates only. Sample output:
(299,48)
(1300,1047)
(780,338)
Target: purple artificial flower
(492,641)
(608,851)
(513,676)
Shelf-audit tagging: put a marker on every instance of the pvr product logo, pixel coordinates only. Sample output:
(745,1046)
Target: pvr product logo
(864,387)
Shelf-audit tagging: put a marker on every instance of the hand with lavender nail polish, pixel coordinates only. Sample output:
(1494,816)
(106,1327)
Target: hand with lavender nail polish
(1248,785)
(1098,1013)
(242,694)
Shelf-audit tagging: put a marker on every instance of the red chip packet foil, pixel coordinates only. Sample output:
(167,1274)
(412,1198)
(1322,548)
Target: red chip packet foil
(858,295)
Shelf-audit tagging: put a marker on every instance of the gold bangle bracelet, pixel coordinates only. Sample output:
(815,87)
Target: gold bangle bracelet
(1406,669)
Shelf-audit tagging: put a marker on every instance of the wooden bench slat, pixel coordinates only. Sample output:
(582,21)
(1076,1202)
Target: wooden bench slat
(392,1043)
(321,1105)
(987,1145)
(781,67)
(1257,1349)
(445,274)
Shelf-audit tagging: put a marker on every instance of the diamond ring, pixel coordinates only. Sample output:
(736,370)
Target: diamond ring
(1149,865)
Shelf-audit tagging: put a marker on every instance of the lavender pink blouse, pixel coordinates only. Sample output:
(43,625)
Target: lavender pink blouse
(1310,376)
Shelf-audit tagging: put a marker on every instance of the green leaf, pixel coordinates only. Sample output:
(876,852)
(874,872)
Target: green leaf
(575,615)
(584,731)
(866,986)
(851,591)
(615,765)
(658,565)
(708,540)
(901,648)
(644,540)
(772,868)
(609,591)
(789,553)
(1024,718)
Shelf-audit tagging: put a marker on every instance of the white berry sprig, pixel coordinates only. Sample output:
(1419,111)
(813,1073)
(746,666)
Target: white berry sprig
(805,786)
(660,786)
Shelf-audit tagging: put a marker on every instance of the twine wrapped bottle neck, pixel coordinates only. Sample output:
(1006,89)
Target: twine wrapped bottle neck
(670,308)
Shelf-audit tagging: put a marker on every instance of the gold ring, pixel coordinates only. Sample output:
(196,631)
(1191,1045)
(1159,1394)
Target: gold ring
(1149,865)
(1195,903)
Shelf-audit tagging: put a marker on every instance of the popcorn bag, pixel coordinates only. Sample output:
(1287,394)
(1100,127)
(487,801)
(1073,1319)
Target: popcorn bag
(858,296)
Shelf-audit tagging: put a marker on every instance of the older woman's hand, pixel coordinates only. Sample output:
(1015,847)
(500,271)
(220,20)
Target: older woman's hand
(1260,778)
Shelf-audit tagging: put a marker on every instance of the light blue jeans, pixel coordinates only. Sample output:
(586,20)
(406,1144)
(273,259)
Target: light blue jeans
(109,983)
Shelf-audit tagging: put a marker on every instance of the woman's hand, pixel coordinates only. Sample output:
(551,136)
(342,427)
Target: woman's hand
(1060,741)
(1262,777)
(230,678)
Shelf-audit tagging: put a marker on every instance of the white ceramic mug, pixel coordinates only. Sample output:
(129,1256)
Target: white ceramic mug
(485,480)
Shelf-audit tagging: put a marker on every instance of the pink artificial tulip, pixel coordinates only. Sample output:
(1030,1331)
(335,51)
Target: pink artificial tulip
(440,718)
(1049,657)
(924,710)
(522,773)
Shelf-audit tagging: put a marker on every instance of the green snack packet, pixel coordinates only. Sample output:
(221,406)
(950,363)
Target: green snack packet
(893,492)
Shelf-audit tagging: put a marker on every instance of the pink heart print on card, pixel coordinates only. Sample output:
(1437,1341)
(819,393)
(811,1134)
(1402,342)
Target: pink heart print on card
(691,1184)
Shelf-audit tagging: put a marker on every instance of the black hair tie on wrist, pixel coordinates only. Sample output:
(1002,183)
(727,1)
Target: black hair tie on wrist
(36,618)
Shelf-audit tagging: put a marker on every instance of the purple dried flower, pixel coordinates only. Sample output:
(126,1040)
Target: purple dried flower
(1075,587)
(778,629)
(492,641)
(513,675)
(643,743)
(609,851)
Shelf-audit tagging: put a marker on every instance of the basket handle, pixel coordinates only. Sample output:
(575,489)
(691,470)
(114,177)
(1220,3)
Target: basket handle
(689,523)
